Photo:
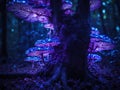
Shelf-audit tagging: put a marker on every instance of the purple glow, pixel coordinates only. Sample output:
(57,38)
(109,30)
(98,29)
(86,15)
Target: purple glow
(69,12)
(99,43)
(49,26)
(43,19)
(37,51)
(100,46)
(39,2)
(94,57)
(66,6)
(94,4)
(32,18)
(27,13)
(32,59)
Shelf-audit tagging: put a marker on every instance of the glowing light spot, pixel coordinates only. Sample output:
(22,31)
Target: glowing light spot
(98,15)
(104,17)
(117,28)
(103,3)
(12,30)
(103,11)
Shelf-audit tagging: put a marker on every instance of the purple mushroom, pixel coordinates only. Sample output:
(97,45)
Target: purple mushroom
(67,5)
(49,26)
(99,43)
(48,42)
(39,51)
(32,59)
(30,14)
(43,19)
(94,58)
(94,4)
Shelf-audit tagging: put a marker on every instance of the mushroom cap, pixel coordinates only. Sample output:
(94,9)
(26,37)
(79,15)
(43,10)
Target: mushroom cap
(32,59)
(43,19)
(97,37)
(95,57)
(94,4)
(99,43)
(36,51)
(69,12)
(67,5)
(47,42)
(30,14)
(49,26)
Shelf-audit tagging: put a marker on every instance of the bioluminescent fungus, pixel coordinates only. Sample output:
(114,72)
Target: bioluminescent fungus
(30,14)
(94,4)
(94,58)
(39,2)
(47,42)
(49,26)
(67,5)
(69,12)
(37,51)
(100,38)
(99,43)
(43,19)
(19,1)
(32,60)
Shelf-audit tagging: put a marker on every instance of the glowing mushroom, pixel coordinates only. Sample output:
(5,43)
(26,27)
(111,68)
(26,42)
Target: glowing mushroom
(30,14)
(32,60)
(99,43)
(94,58)
(39,51)
(67,4)
(69,12)
(94,4)
(32,18)
(43,19)
(48,42)
(49,26)
(39,2)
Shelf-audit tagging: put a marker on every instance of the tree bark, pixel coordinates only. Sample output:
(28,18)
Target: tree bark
(74,38)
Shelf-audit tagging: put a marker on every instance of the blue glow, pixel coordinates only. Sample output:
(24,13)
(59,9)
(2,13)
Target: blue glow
(102,37)
(98,15)
(95,57)
(103,3)
(12,30)
(33,58)
(38,49)
(104,17)
(117,28)
(103,11)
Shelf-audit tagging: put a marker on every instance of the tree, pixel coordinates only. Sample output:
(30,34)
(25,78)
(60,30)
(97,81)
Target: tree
(75,40)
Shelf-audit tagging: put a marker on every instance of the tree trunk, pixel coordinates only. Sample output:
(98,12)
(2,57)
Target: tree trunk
(74,37)
(4,31)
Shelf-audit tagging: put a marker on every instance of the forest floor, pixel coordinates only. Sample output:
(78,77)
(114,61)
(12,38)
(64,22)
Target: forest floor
(21,76)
